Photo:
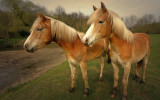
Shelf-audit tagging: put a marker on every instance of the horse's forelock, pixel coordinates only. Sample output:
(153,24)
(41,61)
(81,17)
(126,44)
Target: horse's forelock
(35,24)
(95,15)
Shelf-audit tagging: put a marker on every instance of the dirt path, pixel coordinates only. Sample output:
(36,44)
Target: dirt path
(19,66)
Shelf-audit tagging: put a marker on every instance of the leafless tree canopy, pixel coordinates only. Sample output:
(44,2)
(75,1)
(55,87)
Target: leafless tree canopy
(17,17)
(147,24)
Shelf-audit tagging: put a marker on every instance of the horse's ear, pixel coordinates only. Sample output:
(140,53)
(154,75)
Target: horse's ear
(94,8)
(41,16)
(103,7)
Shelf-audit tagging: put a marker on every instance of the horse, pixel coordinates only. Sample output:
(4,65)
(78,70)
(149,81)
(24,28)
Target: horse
(46,29)
(125,47)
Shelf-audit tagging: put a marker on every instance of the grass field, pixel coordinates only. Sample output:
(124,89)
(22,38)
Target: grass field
(54,84)
(11,42)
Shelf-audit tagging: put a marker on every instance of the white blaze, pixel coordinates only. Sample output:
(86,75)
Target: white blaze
(88,33)
(31,43)
(90,29)
(28,39)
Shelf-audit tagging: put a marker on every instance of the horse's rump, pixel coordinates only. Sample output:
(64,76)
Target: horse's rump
(141,46)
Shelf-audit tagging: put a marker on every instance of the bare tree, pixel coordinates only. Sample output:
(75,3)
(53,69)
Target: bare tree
(147,19)
(60,10)
(130,21)
(24,10)
(4,24)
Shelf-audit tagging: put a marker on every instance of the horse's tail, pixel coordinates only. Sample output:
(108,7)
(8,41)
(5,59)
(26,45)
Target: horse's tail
(107,46)
(109,59)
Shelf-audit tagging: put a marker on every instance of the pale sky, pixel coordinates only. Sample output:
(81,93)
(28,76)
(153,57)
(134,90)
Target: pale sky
(121,7)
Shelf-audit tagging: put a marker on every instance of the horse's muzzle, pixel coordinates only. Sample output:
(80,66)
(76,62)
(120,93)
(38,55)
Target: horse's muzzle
(26,47)
(85,42)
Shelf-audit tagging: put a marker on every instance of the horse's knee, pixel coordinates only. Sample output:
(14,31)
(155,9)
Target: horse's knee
(124,82)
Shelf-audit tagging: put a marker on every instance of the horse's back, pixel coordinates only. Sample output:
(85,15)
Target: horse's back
(143,37)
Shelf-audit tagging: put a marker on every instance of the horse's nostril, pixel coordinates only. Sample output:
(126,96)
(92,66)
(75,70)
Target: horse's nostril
(32,50)
(86,44)
(86,40)
(26,46)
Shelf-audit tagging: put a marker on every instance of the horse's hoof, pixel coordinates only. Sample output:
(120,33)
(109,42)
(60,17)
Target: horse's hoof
(124,98)
(135,78)
(100,79)
(71,90)
(113,93)
(142,82)
(86,92)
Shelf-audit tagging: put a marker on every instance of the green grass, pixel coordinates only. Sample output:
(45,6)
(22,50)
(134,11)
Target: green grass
(17,44)
(54,84)
(11,42)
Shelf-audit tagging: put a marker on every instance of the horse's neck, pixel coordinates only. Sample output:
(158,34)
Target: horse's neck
(116,42)
(70,46)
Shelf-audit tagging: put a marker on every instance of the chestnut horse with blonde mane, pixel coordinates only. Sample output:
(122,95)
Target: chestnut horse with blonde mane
(125,47)
(46,29)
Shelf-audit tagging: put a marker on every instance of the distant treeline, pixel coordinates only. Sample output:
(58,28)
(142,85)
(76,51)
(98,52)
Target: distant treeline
(146,24)
(17,16)
(74,19)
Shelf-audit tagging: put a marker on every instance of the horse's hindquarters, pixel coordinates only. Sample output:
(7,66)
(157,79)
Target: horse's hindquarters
(141,46)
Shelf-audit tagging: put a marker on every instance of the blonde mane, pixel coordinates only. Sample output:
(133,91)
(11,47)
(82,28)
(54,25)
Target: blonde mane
(62,31)
(118,26)
(35,24)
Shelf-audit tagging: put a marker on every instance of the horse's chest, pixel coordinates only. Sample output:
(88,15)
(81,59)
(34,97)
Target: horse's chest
(115,57)
(74,59)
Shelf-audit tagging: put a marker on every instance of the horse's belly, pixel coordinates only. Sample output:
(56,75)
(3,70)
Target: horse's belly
(138,56)
(94,55)
(139,53)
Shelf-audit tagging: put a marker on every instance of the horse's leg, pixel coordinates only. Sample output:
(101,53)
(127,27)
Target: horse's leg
(102,58)
(73,72)
(125,80)
(116,71)
(83,67)
(145,60)
(137,66)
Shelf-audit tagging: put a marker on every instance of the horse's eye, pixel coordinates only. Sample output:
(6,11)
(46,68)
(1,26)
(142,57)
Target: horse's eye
(39,29)
(100,22)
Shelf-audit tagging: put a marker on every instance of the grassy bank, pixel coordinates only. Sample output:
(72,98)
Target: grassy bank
(11,42)
(17,44)
(54,84)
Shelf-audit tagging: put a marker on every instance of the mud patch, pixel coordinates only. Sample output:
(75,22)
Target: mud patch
(18,66)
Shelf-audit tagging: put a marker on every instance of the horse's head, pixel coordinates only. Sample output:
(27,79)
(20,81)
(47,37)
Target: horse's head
(100,25)
(40,34)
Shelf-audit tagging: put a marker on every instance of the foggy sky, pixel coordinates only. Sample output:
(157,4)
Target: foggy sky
(121,7)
